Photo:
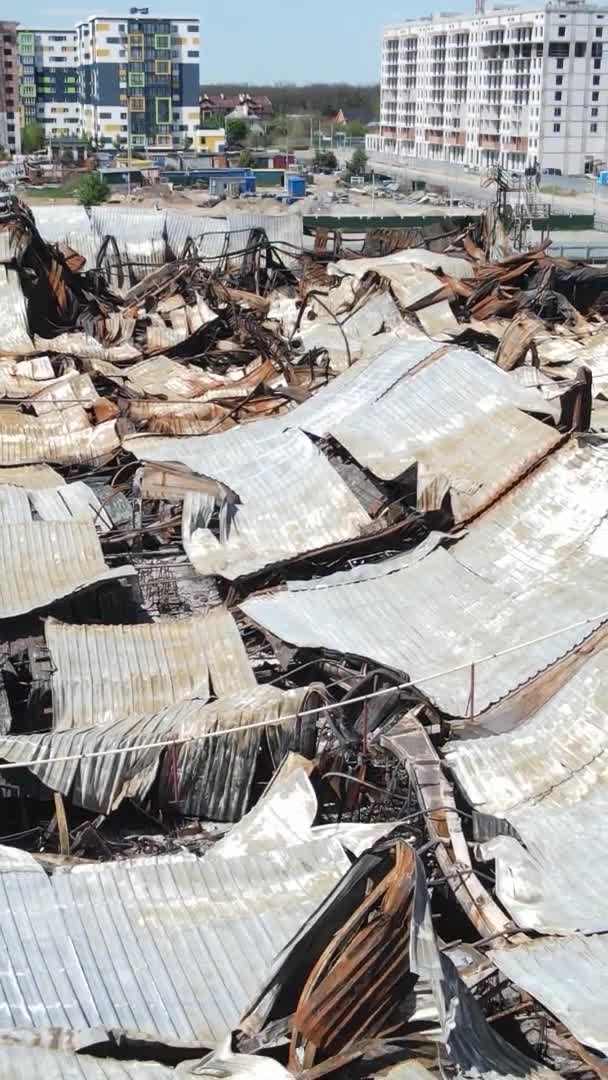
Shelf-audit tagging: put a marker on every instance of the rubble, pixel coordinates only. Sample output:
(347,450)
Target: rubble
(302,680)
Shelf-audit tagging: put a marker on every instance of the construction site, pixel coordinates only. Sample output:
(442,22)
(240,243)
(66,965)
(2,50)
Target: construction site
(303,720)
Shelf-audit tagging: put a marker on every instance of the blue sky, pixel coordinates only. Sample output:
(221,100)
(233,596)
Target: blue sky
(266,40)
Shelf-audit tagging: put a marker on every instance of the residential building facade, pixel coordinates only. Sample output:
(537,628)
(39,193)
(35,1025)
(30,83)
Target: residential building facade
(49,80)
(511,87)
(116,80)
(9,81)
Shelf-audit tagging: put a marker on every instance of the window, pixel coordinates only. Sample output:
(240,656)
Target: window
(557,127)
(162,67)
(192,29)
(163,110)
(594,112)
(558,95)
(561,31)
(559,63)
(105,116)
(599,31)
(113,41)
(137,104)
(597,64)
(193,54)
(593,129)
(596,80)
(137,78)
(559,80)
(596,49)
(595,96)
(162,41)
(580,48)
(138,140)
(557,112)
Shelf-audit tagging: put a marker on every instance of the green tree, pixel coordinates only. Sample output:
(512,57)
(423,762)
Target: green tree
(212,122)
(246,159)
(357,165)
(355,129)
(32,137)
(92,190)
(236,130)
(325,159)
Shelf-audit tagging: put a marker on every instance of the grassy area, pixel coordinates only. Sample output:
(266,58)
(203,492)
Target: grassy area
(50,191)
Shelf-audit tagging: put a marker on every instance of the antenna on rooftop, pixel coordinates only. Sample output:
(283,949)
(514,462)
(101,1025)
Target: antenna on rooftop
(480,7)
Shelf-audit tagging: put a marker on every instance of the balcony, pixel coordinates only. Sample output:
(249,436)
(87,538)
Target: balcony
(433,136)
(455,138)
(516,143)
(488,141)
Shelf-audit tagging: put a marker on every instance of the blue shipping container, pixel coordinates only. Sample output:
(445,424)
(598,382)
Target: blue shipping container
(296,186)
(248,185)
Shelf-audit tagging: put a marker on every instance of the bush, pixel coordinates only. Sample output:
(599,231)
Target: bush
(236,130)
(246,159)
(92,190)
(357,165)
(32,138)
(325,159)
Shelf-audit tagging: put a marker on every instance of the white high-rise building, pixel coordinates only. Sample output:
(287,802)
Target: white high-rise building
(506,86)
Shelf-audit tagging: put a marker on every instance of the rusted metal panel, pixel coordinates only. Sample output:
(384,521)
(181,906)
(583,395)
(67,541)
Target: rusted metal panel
(454,617)
(458,417)
(31,574)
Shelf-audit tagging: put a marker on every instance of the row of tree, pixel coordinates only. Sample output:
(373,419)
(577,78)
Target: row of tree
(360,103)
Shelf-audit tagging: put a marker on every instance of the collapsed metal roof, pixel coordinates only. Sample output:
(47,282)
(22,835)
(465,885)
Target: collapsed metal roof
(104,673)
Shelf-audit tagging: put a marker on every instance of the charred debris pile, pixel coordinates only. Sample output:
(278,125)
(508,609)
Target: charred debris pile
(303,694)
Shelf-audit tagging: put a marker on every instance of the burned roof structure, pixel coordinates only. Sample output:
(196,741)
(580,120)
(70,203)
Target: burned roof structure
(303,657)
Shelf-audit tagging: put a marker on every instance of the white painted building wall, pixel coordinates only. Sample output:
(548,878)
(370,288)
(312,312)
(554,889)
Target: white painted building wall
(509,87)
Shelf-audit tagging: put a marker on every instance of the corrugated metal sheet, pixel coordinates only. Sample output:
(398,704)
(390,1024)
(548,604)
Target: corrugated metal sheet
(42,562)
(182,226)
(287,229)
(370,382)
(22,378)
(65,437)
(26,1062)
(439,322)
(105,673)
(128,224)
(556,517)
(83,346)
(15,339)
(430,260)
(549,779)
(31,476)
(429,616)
(174,947)
(410,284)
(165,378)
(63,393)
(569,976)
(209,778)
(70,502)
(14,505)
(54,223)
(276,474)
(457,417)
